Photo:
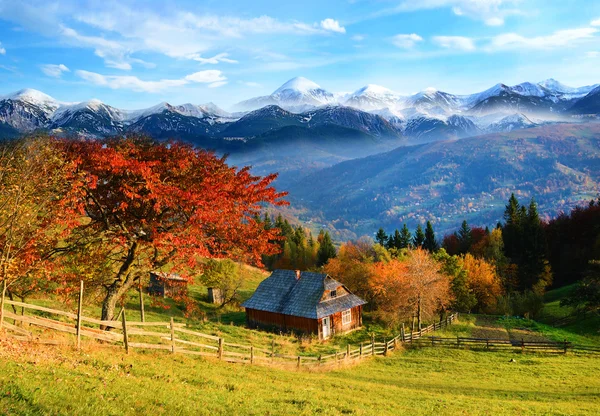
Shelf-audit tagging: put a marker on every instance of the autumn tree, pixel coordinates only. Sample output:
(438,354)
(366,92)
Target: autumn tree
(463,299)
(35,211)
(428,289)
(352,265)
(483,281)
(149,205)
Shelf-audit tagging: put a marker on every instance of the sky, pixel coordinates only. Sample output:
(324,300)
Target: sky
(134,54)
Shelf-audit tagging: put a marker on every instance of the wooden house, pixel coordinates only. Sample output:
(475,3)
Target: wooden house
(305,302)
(167,285)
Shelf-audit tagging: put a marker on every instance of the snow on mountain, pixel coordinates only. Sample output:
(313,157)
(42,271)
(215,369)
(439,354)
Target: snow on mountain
(34,97)
(433,101)
(297,94)
(372,97)
(510,123)
(65,111)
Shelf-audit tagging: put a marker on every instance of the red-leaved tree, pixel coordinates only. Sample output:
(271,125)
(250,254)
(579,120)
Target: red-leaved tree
(149,205)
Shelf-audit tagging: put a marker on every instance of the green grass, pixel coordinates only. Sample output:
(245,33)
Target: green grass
(416,382)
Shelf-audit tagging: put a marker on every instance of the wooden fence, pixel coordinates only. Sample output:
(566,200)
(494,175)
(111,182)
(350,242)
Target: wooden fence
(177,338)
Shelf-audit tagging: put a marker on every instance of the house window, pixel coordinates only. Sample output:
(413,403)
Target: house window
(333,293)
(347,317)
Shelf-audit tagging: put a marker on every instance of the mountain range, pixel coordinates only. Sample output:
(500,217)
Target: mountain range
(427,116)
(356,161)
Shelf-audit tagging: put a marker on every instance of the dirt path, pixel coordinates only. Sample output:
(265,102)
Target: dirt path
(488,327)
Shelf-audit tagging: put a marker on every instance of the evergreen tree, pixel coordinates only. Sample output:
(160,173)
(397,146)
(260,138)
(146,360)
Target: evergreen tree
(326,250)
(465,239)
(381,237)
(267,222)
(419,238)
(405,238)
(430,243)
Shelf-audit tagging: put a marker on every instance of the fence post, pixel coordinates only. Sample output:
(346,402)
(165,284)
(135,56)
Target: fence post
(487,343)
(566,345)
(298,365)
(172,336)
(402,332)
(522,345)
(272,350)
(360,350)
(2,303)
(320,360)
(395,343)
(348,352)
(385,348)
(220,348)
(373,344)
(79,307)
(142,312)
(125,340)
(457,342)
(251,354)
(433,341)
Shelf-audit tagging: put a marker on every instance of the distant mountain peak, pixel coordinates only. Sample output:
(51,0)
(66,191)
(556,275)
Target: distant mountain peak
(299,84)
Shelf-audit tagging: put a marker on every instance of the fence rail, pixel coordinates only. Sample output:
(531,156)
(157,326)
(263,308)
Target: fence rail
(177,338)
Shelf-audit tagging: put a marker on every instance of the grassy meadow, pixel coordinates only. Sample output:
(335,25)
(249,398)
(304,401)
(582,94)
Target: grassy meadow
(103,380)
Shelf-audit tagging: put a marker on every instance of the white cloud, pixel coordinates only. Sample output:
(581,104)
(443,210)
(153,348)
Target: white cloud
(53,70)
(2,50)
(222,57)
(209,76)
(595,22)
(133,83)
(455,42)
(332,26)
(491,12)
(358,38)
(494,21)
(217,84)
(406,41)
(592,54)
(559,38)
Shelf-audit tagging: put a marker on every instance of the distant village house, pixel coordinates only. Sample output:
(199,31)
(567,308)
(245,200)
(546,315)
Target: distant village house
(305,302)
(167,285)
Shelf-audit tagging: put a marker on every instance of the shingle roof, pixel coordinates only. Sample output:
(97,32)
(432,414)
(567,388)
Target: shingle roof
(283,293)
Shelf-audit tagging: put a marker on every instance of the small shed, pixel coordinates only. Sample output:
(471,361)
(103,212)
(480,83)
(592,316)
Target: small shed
(306,302)
(167,285)
(215,295)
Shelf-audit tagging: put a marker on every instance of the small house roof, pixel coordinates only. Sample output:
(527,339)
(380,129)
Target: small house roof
(168,276)
(283,293)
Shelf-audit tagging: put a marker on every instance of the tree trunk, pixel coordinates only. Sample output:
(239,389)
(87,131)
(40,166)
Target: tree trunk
(419,313)
(124,280)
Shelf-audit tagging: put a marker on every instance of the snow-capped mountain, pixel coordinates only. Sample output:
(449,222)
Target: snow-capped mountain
(374,110)
(298,93)
(372,97)
(510,123)
(27,110)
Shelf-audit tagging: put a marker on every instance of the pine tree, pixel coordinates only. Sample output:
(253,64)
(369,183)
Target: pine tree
(405,238)
(430,243)
(419,238)
(465,239)
(326,250)
(381,237)
(267,222)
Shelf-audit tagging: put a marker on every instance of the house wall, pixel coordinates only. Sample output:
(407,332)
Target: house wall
(256,318)
(337,327)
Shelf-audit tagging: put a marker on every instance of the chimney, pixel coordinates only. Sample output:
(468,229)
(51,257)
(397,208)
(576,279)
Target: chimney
(297,274)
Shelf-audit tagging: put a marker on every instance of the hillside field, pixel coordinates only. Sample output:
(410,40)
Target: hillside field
(102,380)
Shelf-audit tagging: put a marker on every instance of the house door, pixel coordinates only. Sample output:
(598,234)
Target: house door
(326,330)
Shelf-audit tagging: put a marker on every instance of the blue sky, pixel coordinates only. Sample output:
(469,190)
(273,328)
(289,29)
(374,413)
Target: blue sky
(134,54)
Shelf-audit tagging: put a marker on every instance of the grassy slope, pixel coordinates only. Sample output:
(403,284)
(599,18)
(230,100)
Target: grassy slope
(416,382)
